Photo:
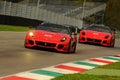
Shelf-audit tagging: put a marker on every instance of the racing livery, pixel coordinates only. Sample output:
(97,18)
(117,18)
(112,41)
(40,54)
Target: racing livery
(52,36)
(97,34)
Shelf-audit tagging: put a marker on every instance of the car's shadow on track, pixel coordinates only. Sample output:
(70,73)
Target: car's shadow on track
(78,51)
(115,47)
(91,44)
(47,49)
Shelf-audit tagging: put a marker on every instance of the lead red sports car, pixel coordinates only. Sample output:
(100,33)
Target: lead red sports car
(98,34)
(52,36)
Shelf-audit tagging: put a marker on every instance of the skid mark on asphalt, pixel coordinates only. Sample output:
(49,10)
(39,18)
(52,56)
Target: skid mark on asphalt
(65,68)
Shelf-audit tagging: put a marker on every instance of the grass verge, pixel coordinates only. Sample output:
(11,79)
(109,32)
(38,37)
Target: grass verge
(89,76)
(112,66)
(13,28)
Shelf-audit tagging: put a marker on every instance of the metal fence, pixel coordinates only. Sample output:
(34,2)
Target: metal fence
(33,12)
(93,10)
(70,15)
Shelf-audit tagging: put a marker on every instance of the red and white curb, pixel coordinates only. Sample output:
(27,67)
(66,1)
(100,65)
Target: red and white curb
(61,69)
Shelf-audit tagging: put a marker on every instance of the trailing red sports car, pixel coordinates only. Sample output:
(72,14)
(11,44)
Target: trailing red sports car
(52,36)
(98,34)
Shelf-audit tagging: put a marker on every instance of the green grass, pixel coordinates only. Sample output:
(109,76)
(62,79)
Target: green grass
(13,28)
(25,28)
(112,66)
(86,76)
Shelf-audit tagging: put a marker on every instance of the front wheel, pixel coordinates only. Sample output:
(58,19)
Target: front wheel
(69,47)
(112,43)
(75,44)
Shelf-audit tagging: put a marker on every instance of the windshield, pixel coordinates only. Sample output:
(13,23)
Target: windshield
(53,28)
(99,28)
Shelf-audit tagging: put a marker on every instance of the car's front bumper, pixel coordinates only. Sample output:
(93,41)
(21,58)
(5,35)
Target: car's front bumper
(103,42)
(60,47)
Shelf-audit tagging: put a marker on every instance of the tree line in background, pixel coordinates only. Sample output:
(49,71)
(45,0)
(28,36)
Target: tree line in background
(112,14)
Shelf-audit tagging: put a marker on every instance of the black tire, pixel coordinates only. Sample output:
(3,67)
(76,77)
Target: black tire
(112,43)
(75,44)
(69,46)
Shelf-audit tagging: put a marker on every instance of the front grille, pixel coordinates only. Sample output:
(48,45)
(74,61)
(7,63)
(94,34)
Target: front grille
(39,43)
(93,40)
(83,38)
(60,46)
(104,42)
(30,42)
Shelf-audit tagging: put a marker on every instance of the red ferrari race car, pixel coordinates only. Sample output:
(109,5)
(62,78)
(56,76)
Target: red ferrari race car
(98,34)
(52,36)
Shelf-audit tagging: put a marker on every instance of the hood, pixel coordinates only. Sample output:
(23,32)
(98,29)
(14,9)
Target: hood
(48,36)
(96,34)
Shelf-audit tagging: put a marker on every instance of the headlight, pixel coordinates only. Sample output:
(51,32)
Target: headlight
(83,33)
(31,34)
(63,39)
(107,36)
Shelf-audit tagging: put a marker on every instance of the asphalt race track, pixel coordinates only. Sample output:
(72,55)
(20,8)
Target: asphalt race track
(15,58)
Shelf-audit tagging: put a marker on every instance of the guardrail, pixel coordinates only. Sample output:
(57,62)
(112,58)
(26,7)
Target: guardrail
(33,12)
(38,13)
(92,11)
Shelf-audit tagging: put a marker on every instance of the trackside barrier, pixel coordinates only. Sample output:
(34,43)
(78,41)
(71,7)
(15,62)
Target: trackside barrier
(93,11)
(32,12)
(38,13)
